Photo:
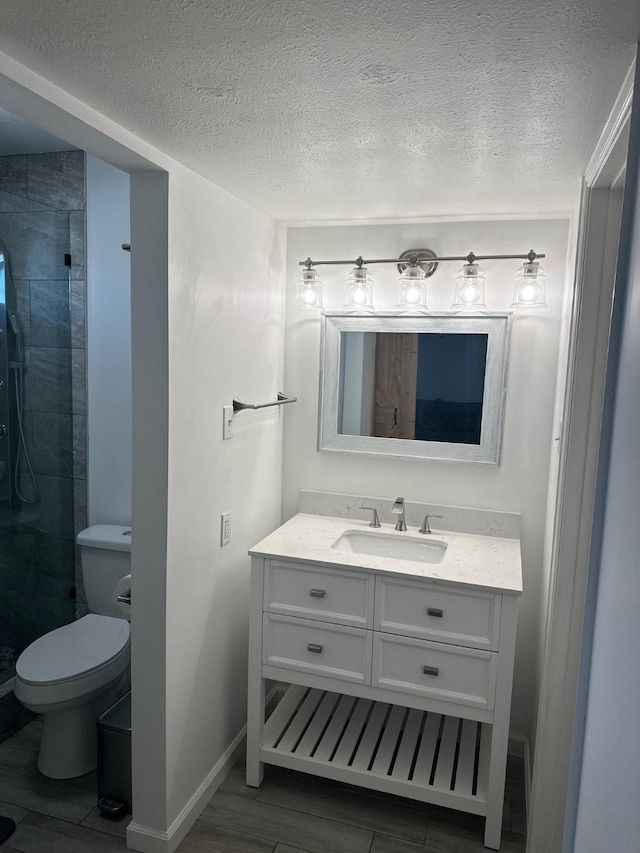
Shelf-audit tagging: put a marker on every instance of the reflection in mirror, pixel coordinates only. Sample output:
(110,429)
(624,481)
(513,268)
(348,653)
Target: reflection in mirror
(421,386)
(430,386)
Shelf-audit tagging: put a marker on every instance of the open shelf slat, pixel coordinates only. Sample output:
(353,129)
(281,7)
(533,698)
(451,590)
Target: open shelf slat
(414,753)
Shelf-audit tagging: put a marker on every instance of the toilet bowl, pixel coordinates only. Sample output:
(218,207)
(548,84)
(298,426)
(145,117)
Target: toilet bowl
(72,674)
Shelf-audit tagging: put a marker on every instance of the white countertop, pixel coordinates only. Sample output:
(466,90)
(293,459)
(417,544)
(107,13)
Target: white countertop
(481,562)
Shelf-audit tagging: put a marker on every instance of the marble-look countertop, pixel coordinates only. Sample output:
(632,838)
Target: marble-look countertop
(480,562)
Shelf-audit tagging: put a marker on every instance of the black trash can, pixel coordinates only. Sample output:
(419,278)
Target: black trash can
(114,758)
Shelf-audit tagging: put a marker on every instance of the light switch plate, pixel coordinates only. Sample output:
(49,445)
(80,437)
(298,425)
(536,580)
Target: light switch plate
(225,528)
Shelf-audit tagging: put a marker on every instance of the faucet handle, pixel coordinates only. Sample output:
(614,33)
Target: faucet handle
(375,521)
(425,524)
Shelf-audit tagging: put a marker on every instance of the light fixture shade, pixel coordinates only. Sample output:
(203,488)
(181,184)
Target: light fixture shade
(530,289)
(359,291)
(413,296)
(469,291)
(309,290)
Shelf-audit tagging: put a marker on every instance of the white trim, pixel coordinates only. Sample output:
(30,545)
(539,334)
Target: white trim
(564,213)
(614,127)
(595,269)
(148,840)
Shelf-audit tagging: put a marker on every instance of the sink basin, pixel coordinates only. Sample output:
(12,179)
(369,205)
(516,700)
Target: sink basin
(377,544)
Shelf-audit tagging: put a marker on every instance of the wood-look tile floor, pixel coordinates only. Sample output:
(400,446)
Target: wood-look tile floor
(289,813)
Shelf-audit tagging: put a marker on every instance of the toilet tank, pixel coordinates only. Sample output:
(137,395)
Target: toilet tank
(105,552)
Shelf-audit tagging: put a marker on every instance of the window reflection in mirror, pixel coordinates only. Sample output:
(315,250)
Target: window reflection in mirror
(417,386)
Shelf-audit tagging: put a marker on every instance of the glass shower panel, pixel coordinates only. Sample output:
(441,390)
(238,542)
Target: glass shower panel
(41,409)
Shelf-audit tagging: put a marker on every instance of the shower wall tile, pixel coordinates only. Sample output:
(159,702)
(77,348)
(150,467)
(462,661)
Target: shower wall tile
(23,308)
(47,383)
(50,314)
(38,564)
(37,243)
(57,179)
(31,616)
(79,381)
(79,505)
(52,444)
(77,243)
(13,175)
(77,310)
(79,447)
(53,513)
(10,203)
(42,217)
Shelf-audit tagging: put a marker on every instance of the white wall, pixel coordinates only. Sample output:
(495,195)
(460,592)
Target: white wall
(520,483)
(108,345)
(207,282)
(608,817)
(226,339)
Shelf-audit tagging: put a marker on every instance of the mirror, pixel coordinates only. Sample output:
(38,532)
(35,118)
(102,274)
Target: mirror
(429,386)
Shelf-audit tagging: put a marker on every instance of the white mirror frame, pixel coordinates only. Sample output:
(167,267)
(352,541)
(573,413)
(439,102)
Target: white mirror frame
(497,326)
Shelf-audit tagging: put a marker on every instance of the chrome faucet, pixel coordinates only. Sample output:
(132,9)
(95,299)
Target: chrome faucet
(398,509)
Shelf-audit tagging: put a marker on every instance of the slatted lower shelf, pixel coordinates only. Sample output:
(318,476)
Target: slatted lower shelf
(418,754)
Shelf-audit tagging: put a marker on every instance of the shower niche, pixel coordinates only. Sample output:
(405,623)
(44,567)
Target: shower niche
(42,399)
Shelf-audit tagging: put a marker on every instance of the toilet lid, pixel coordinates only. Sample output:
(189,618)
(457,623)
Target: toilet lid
(73,650)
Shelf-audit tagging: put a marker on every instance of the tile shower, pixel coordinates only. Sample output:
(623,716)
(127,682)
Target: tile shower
(42,219)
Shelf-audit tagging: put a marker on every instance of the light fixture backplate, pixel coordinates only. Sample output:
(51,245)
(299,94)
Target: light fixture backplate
(429,267)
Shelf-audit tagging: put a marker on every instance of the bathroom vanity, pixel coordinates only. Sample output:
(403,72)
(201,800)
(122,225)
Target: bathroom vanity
(398,650)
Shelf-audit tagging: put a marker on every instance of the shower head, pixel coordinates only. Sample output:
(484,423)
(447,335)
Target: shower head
(14,324)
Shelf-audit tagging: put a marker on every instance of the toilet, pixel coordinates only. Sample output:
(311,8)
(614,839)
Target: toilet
(71,675)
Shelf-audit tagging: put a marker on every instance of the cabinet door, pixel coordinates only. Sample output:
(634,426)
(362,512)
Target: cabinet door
(448,673)
(334,651)
(344,597)
(431,611)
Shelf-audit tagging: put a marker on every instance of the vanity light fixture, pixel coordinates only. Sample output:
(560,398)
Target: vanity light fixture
(469,290)
(413,297)
(415,265)
(309,290)
(359,290)
(530,285)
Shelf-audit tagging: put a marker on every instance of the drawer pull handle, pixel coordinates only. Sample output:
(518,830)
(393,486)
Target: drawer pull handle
(435,611)
(430,670)
(317,593)
(314,647)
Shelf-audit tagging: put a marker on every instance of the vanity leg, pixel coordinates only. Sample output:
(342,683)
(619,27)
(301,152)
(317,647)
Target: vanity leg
(500,730)
(255,729)
(257,684)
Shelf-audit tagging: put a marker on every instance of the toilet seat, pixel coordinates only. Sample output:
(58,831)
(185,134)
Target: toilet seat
(73,661)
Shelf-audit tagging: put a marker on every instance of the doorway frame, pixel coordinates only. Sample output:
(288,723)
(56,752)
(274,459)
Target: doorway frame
(29,96)
(558,728)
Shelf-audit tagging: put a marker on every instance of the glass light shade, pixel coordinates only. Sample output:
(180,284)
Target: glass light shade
(359,291)
(530,287)
(309,295)
(469,292)
(413,297)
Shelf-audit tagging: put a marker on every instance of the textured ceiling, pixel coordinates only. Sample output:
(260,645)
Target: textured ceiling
(315,109)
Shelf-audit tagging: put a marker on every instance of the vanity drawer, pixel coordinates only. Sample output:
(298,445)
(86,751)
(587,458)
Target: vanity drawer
(312,592)
(463,676)
(433,612)
(335,651)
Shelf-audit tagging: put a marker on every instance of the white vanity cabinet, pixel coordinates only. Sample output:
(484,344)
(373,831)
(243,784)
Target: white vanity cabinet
(397,683)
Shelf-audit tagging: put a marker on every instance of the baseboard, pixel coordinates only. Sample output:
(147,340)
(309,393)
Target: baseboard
(145,839)
(148,840)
